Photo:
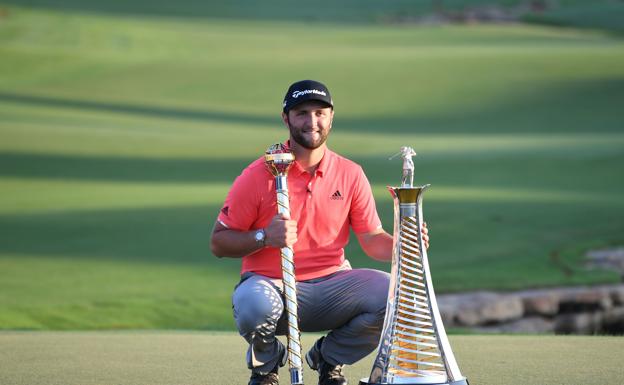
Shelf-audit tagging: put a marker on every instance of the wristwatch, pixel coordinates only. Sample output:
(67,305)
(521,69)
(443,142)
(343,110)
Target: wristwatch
(260,237)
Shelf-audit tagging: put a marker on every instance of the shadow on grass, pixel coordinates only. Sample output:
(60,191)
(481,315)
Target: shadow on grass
(175,170)
(467,236)
(570,107)
(548,170)
(135,109)
(124,169)
(575,106)
(178,235)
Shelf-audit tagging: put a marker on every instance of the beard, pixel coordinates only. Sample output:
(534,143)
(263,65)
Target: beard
(306,140)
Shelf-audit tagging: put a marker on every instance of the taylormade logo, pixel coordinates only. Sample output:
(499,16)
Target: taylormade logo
(296,94)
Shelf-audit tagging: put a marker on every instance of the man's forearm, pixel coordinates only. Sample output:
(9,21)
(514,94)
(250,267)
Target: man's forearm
(281,232)
(377,245)
(233,244)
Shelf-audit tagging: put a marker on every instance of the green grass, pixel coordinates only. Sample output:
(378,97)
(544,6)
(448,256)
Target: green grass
(597,14)
(120,136)
(218,358)
(605,15)
(344,11)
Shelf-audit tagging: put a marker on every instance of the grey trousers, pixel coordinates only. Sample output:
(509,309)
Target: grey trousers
(351,304)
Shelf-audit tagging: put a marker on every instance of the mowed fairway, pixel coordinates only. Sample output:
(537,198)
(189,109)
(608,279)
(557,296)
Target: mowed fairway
(168,358)
(120,136)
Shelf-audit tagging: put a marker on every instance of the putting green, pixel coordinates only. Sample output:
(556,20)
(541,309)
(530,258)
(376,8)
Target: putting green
(218,358)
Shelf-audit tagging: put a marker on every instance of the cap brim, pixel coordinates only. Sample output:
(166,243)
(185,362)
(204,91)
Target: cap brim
(310,99)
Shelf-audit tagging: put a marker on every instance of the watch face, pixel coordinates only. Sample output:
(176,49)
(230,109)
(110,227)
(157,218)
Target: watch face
(259,235)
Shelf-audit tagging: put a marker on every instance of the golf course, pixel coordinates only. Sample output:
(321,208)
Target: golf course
(194,358)
(124,124)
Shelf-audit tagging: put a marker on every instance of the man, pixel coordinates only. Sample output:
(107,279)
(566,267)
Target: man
(329,195)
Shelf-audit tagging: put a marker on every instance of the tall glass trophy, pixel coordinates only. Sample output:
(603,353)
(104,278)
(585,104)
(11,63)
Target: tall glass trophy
(413,348)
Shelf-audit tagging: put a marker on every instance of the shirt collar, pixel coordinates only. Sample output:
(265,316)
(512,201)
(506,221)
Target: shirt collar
(324,164)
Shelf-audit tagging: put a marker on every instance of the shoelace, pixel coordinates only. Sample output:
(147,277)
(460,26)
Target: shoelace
(336,372)
(270,379)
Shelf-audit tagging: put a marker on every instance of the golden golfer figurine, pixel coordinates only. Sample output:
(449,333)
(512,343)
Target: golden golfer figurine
(413,348)
(278,160)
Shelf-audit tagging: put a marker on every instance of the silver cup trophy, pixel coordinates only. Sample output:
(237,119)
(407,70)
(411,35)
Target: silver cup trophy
(413,347)
(278,160)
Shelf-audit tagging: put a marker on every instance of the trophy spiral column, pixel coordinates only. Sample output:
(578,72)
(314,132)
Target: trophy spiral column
(413,347)
(278,160)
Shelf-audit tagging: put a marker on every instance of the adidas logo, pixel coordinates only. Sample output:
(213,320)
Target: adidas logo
(336,196)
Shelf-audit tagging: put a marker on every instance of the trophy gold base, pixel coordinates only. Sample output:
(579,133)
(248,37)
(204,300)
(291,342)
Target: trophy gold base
(364,381)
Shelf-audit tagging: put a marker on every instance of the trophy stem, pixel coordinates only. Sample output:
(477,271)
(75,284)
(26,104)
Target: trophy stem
(290,290)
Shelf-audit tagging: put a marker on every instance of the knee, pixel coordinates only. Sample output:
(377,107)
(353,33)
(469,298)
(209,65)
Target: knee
(371,328)
(257,308)
(378,284)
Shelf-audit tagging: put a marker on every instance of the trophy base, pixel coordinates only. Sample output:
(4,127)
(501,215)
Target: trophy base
(364,381)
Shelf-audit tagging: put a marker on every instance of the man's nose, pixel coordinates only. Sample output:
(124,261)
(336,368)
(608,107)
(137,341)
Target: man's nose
(311,120)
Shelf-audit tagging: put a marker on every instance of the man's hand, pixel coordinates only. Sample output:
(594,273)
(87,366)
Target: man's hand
(378,244)
(281,232)
(425,235)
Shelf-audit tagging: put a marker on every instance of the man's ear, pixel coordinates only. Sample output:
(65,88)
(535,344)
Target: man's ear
(285,118)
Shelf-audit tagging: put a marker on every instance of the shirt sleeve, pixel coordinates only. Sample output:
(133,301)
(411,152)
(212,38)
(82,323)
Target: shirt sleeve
(363,213)
(240,209)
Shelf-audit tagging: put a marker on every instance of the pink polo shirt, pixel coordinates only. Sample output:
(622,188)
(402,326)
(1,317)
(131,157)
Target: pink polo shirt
(325,205)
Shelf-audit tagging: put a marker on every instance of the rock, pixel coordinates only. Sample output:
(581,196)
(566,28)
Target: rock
(447,312)
(531,325)
(617,294)
(485,307)
(613,321)
(578,310)
(584,299)
(540,303)
(580,323)
(449,305)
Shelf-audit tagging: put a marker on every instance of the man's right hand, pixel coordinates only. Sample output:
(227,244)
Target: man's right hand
(281,232)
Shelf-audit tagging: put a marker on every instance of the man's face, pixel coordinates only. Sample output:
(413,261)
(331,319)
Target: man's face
(309,123)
